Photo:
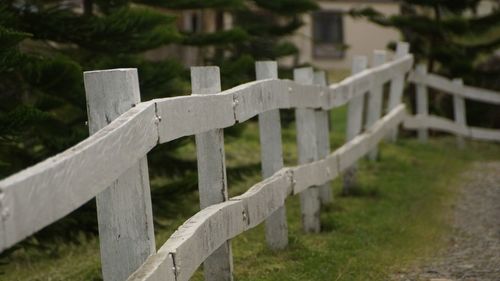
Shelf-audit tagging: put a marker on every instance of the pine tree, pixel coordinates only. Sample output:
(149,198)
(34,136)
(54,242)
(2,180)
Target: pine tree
(439,32)
(46,45)
(454,42)
(44,48)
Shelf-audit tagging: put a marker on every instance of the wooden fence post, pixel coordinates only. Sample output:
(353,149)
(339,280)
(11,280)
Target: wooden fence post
(323,138)
(212,182)
(124,210)
(397,86)
(459,112)
(271,152)
(422,102)
(354,122)
(374,108)
(308,152)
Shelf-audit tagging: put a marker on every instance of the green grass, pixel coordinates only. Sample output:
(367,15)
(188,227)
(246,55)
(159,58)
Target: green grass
(400,213)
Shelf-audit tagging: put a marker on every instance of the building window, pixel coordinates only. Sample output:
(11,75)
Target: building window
(328,34)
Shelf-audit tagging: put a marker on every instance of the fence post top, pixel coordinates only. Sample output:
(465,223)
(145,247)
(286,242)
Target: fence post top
(379,57)
(266,70)
(359,63)
(205,80)
(113,70)
(304,75)
(402,49)
(320,78)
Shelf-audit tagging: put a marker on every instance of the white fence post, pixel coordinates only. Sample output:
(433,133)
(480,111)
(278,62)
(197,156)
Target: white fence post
(459,112)
(422,101)
(397,86)
(374,110)
(308,152)
(354,122)
(272,158)
(323,138)
(124,210)
(212,182)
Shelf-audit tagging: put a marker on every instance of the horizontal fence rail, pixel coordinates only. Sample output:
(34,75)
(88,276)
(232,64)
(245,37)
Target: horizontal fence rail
(78,174)
(422,121)
(111,164)
(199,236)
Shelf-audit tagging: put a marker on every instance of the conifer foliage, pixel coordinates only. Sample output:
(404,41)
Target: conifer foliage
(44,48)
(455,40)
(448,34)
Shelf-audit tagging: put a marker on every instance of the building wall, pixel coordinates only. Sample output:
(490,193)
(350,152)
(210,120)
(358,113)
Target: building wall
(361,36)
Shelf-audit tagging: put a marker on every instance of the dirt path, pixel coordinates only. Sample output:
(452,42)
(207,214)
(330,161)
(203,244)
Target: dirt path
(473,253)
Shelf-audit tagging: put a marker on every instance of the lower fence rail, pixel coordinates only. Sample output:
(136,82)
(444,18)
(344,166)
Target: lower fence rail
(206,231)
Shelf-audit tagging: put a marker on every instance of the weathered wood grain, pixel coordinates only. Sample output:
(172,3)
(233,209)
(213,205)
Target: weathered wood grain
(212,180)
(158,267)
(203,236)
(374,106)
(76,175)
(265,198)
(190,115)
(203,233)
(323,138)
(307,152)
(272,156)
(170,118)
(397,85)
(354,121)
(459,113)
(124,211)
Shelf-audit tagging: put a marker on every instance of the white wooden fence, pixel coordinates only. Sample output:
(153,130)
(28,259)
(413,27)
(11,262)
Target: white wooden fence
(111,164)
(422,121)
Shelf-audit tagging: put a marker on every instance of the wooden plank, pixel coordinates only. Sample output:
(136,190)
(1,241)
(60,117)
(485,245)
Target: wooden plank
(344,91)
(309,175)
(307,152)
(306,95)
(422,102)
(272,156)
(202,236)
(482,95)
(323,138)
(374,107)
(124,211)
(190,115)
(485,134)
(158,267)
(446,125)
(203,233)
(257,97)
(459,113)
(397,85)
(76,175)
(212,182)
(444,84)
(436,123)
(354,122)
(263,199)
(355,149)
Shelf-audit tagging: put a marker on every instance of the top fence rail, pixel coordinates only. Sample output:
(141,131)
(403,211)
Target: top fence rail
(81,172)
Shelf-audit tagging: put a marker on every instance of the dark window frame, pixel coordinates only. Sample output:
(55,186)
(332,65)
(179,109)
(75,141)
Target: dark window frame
(328,34)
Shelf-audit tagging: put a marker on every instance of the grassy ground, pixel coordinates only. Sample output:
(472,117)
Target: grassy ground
(399,212)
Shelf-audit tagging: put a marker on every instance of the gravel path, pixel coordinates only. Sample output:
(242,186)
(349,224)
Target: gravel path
(473,253)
